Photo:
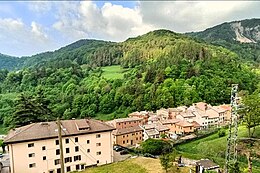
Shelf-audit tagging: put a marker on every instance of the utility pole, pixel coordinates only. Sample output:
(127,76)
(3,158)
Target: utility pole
(231,151)
(61,147)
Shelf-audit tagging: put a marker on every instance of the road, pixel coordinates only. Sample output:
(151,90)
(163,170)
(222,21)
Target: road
(6,163)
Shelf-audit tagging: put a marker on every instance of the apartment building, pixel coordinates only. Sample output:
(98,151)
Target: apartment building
(35,148)
(128,136)
(125,122)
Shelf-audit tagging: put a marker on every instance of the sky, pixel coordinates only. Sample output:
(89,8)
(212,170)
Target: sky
(31,27)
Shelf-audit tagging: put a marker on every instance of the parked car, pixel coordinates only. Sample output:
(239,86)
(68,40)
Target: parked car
(149,155)
(118,148)
(124,152)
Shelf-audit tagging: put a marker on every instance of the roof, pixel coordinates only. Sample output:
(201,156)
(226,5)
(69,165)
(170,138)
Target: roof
(196,124)
(226,107)
(46,130)
(152,132)
(127,130)
(161,128)
(170,121)
(207,164)
(219,109)
(121,120)
(187,114)
(212,113)
(184,124)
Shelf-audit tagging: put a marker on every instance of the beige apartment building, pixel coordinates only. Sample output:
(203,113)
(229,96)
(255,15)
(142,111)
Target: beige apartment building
(122,123)
(128,136)
(35,148)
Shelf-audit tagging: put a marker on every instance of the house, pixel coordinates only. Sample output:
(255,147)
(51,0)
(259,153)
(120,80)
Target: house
(183,127)
(125,122)
(144,115)
(153,119)
(171,124)
(35,147)
(170,113)
(127,132)
(227,115)
(154,131)
(128,136)
(206,165)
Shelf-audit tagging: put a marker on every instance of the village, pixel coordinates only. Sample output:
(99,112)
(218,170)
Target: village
(172,123)
(89,142)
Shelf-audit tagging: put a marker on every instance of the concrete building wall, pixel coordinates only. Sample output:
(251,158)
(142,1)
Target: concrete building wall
(129,139)
(97,142)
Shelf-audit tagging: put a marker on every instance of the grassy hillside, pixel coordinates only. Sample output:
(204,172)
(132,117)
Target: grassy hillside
(214,148)
(113,72)
(137,165)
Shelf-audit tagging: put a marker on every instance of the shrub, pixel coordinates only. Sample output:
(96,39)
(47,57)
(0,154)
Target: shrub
(221,133)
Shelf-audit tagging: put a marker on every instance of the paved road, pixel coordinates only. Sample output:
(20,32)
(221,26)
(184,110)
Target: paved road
(6,163)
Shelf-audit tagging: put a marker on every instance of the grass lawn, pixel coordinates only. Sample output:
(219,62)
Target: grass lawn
(136,165)
(211,147)
(113,72)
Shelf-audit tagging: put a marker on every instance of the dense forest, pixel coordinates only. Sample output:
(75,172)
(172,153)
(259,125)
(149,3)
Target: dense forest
(162,69)
(225,35)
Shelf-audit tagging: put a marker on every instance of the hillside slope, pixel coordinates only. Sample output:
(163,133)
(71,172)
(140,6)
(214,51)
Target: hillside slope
(159,69)
(242,37)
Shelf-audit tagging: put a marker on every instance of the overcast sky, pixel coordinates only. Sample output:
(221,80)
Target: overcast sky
(28,28)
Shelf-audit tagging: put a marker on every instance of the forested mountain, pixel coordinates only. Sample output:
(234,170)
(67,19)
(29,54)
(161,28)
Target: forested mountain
(8,62)
(161,69)
(242,37)
(74,52)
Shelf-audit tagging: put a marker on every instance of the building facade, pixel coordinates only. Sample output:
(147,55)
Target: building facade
(35,148)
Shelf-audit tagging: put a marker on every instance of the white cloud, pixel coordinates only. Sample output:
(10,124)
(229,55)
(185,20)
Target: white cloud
(112,22)
(15,34)
(186,16)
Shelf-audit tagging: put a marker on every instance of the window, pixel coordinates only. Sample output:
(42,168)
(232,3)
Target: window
(30,145)
(88,150)
(123,142)
(67,150)
(68,159)
(126,141)
(57,151)
(57,142)
(32,165)
(140,132)
(140,138)
(133,134)
(123,136)
(56,161)
(88,141)
(68,169)
(98,136)
(97,161)
(98,144)
(43,148)
(58,170)
(77,167)
(76,158)
(82,166)
(31,155)
(44,158)
(67,140)
(137,139)
(51,171)
(99,153)
(76,139)
(76,148)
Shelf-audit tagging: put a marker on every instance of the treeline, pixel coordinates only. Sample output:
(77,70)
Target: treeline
(166,70)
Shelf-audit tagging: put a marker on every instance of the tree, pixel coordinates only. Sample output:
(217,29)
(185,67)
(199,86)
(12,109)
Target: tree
(156,146)
(251,112)
(166,162)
